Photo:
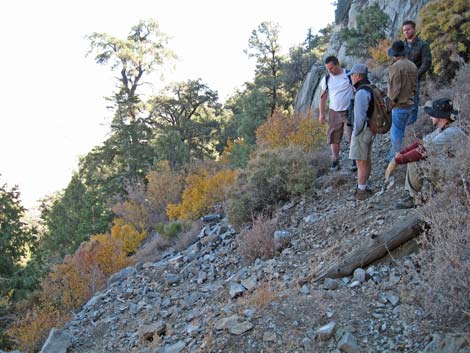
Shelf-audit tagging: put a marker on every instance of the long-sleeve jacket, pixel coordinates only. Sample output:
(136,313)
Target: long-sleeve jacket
(420,54)
(402,78)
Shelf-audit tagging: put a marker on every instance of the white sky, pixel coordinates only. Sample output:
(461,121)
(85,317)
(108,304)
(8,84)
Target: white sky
(51,96)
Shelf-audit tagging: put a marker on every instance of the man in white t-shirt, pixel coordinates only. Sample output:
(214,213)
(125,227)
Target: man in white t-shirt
(335,86)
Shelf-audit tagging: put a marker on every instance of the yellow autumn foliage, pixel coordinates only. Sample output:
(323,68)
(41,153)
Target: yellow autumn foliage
(68,286)
(201,193)
(282,130)
(128,235)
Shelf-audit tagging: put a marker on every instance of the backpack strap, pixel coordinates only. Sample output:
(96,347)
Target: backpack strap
(327,77)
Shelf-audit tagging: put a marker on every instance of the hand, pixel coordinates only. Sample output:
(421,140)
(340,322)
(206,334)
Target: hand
(322,119)
(390,168)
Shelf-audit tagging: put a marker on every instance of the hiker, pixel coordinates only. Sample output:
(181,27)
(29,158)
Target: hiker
(336,86)
(362,136)
(442,114)
(402,80)
(420,54)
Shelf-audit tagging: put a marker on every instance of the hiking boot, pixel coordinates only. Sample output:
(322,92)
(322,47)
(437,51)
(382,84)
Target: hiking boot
(405,202)
(335,165)
(353,167)
(360,195)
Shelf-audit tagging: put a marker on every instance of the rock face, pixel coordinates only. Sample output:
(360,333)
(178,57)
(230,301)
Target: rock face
(308,97)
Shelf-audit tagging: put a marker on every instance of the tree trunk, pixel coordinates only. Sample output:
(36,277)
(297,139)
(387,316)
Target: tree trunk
(376,249)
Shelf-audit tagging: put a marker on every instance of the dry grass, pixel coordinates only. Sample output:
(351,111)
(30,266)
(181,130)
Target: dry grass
(443,266)
(258,241)
(260,298)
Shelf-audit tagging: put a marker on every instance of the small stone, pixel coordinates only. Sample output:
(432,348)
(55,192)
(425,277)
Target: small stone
(269,337)
(331,283)
(249,283)
(324,333)
(355,284)
(359,275)
(171,279)
(396,310)
(225,322)
(236,290)
(307,343)
(393,299)
(305,290)
(348,343)
(240,328)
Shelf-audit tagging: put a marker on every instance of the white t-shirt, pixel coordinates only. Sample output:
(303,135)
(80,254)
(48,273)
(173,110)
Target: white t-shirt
(340,91)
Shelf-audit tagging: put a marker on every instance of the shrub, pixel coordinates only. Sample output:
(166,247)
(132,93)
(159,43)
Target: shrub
(445,25)
(257,241)
(273,175)
(285,130)
(127,235)
(201,193)
(236,154)
(379,53)
(146,203)
(68,286)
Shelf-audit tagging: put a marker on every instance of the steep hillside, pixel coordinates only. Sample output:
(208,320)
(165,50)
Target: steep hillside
(204,299)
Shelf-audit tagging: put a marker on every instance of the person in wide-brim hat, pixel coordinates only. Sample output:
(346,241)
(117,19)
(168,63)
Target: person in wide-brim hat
(441,109)
(397,49)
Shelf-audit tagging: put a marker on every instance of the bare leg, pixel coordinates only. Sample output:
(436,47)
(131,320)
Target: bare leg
(335,151)
(363,171)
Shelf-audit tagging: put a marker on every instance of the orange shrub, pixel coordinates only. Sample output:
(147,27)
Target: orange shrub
(379,53)
(286,130)
(68,286)
(164,187)
(236,154)
(202,191)
(146,202)
(127,235)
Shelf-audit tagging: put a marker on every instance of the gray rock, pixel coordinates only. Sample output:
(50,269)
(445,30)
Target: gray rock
(240,328)
(250,283)
(121,275)
(150,332)
(442,343)
(324,333)
(171,279)
(57,342)
(307,343)
(348,343)
(236,290)
(305,290)
(359,275)
(331,283)
(269,336)
(173,348)
(226,322)
(392,299)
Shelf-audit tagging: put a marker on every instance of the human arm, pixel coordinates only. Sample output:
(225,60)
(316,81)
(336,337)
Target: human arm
(394,84)
(426,60)
(323,99)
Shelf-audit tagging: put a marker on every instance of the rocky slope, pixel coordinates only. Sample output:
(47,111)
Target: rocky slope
(205,299)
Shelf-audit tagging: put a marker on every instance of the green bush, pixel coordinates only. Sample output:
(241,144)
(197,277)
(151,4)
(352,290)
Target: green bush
(273,175)
(372,26)
(170,230)
(445,25)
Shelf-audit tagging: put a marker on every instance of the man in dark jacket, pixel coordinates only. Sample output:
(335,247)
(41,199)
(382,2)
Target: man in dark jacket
(420,54)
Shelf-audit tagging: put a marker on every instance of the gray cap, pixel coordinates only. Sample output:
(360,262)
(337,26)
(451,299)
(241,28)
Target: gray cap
(358,69)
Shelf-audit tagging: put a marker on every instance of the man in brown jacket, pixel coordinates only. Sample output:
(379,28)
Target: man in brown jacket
(402,78)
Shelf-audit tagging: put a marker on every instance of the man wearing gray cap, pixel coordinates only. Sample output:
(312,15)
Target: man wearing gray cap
(362,136)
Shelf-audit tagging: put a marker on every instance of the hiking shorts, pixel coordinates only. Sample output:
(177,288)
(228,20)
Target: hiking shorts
(361,145)
(337,123)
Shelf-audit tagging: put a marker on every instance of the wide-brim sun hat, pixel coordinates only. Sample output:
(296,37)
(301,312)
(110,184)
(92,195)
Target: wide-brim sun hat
(397,49)
(441,108)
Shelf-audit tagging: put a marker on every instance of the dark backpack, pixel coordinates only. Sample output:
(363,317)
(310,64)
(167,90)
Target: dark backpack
(379,114)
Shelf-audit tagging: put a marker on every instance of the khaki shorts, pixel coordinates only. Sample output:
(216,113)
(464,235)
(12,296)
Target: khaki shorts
(361,145)
(336,124)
